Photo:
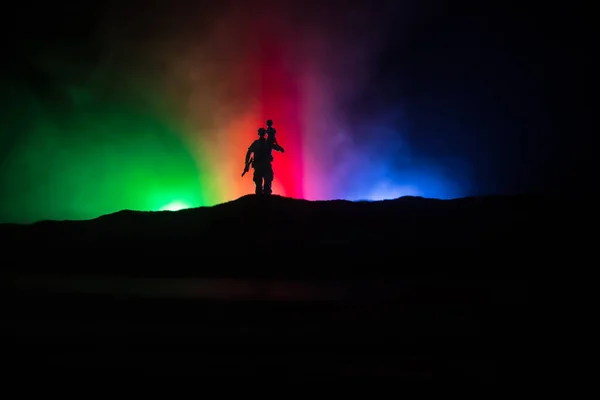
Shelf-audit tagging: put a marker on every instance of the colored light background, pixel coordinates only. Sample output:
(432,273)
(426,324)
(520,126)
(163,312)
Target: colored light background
(164,123)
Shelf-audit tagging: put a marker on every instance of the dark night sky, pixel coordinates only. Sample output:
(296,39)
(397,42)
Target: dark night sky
(499,88)
(508,81)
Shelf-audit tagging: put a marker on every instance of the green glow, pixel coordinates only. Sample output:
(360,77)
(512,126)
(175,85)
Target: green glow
(96,158)
(175,206)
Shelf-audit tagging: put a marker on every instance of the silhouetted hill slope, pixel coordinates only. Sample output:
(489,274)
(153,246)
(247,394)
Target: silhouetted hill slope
(278,235)
(413,289)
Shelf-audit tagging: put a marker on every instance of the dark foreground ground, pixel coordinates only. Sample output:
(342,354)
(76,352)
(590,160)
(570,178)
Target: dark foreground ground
(413,289)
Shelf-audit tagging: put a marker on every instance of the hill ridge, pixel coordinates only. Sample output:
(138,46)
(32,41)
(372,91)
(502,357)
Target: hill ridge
(242,199)
(286,237)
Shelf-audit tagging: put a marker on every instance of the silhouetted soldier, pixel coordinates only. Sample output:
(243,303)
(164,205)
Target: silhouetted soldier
(271,137)
(261,162)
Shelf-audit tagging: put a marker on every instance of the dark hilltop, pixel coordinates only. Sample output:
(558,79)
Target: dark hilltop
(415,289)
(286,237)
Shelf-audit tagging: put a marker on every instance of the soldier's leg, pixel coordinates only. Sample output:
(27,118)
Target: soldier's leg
(268,180)
(257,178)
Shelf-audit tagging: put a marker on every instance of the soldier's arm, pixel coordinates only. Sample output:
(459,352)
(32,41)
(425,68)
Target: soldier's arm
(277,147)
(248,153)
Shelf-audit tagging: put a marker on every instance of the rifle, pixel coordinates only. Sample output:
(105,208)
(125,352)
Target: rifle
(247,166)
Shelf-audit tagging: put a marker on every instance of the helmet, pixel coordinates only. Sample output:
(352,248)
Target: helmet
(269,122)
(261,131)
